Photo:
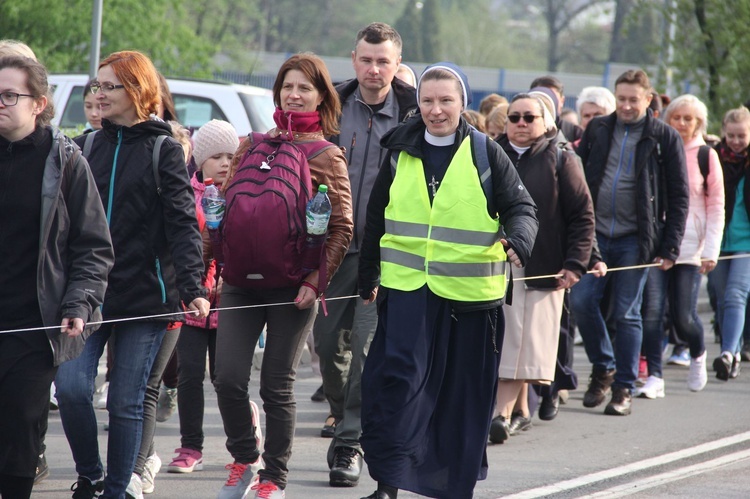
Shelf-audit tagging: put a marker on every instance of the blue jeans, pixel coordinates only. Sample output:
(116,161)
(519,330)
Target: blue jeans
(627,291)
(680,285)
(135,345)
(732,283)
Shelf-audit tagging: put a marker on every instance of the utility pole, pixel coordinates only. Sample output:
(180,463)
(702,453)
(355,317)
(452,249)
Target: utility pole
(96,37)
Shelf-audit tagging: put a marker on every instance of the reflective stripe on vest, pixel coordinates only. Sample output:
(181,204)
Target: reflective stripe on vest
(452,246)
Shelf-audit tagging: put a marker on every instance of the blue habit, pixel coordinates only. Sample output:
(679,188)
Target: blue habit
(428,393)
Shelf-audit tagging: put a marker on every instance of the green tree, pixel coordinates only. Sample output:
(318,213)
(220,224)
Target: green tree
(710,49)
(430,34)
(409,26)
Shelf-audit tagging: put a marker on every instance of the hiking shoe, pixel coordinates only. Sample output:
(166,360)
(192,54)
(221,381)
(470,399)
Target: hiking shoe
(266,489)
(187,461)
(150,468)
(723,364)
(86,489)
(166,404)
(42,469)
(518,423)
(135,488)
(100,396)
(654,388)
(238,484)
(599,387)
(697,377)
(620,403)
(499,430)
(347,466)
(679,357)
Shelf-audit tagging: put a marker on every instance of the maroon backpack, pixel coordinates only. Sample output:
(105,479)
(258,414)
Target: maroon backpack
(264,230)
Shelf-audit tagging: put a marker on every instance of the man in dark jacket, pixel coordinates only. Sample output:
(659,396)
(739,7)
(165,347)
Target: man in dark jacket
(635,168)
(372,103)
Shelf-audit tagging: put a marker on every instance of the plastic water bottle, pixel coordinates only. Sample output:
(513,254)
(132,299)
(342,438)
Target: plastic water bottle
(317,215)
(213,204)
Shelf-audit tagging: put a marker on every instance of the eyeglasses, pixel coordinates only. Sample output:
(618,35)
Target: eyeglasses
(104,87)
(528,118)
(11,98)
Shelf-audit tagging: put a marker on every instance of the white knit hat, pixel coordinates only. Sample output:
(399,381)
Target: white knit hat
(215,137)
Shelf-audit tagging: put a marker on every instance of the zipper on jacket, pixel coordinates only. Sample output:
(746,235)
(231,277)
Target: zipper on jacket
(112,178)
(161,281)
(617,179)
(362,176)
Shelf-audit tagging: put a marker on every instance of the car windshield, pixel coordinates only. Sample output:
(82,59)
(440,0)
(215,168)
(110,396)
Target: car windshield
(260,109)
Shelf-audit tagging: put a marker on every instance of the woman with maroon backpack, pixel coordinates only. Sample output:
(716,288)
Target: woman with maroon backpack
(263,267)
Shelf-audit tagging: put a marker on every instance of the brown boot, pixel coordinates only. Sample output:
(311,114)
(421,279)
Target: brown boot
(620,403)
(599,383)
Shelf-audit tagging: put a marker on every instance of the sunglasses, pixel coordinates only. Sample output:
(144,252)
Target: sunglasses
(528,118)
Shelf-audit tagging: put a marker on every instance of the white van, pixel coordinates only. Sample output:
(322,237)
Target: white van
(249,109)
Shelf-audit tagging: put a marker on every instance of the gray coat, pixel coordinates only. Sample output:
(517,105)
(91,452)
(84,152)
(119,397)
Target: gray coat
(75,250)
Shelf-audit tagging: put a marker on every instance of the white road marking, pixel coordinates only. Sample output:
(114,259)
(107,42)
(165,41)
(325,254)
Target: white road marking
(599,476)
(672,476)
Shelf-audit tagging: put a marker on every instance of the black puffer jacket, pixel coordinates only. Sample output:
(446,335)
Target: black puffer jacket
(158,248)
(511,201)
(662,190)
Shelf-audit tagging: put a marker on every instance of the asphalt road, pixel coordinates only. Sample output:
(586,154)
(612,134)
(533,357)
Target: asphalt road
(684,445)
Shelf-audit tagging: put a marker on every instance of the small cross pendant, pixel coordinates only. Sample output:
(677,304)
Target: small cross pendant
(434,183)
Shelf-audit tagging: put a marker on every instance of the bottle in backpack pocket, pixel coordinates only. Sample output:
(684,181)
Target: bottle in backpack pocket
(317,215)
(213,204)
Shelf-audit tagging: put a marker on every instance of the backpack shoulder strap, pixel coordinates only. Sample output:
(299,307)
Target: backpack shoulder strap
(479,141)
(703,152)
(155,161)
(88,143)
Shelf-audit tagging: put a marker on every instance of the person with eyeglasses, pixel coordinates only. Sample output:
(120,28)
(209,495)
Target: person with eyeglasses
(158,270)
(55,240)
(436,248)
(563,247)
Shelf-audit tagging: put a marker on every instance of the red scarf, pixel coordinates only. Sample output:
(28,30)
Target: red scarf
(299,122)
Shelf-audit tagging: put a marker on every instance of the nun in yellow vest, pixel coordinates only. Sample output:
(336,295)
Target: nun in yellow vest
(447,215)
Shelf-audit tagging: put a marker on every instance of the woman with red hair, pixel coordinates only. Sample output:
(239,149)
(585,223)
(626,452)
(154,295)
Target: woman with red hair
(150,211)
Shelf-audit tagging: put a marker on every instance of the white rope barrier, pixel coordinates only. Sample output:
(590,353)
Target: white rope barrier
(159,316)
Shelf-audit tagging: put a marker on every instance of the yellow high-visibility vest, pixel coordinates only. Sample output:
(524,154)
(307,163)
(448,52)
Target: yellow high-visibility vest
(454,245)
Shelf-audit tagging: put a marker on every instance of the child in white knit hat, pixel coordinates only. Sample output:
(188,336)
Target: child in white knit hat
(213,147)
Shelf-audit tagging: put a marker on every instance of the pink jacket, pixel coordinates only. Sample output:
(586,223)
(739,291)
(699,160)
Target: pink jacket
(209,279)
(705,222)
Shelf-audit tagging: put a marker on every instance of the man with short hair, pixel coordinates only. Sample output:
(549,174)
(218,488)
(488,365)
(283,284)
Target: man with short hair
(372,103)
(635,168)
(571,131)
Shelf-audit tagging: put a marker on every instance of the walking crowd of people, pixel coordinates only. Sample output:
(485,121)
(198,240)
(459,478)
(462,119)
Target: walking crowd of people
(466,248)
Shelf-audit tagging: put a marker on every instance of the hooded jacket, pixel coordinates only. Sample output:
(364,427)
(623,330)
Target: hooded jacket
(75,251)
(662,197)
(511,201)
(158,248)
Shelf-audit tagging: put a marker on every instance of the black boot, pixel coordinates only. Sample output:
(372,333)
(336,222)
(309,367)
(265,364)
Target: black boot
(383,492)
(347,466)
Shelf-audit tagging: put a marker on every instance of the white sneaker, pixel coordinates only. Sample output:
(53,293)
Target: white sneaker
(654,388)
(259,464)
(266,489)
(100,396)
(150,469)
(135,488)
(697,377)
